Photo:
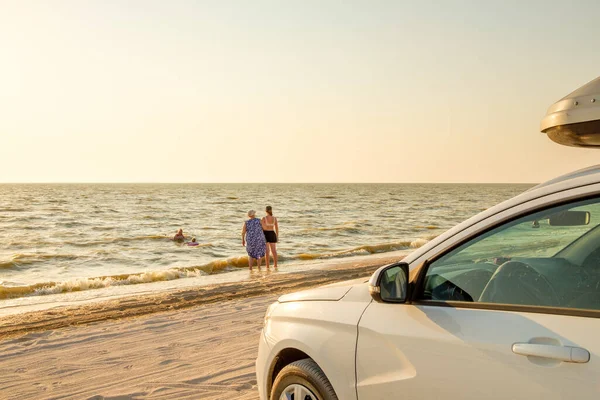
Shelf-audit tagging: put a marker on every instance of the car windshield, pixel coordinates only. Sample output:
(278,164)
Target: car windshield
(533,236)
(549,258)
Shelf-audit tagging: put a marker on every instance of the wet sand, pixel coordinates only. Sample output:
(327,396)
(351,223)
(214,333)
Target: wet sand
(198,344)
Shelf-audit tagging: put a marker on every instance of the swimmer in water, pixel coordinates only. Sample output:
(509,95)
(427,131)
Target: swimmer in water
(179,236)
(193,242)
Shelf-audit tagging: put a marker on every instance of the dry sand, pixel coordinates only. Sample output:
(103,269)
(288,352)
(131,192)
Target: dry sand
(204,350)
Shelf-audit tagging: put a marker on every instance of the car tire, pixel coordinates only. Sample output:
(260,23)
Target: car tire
(304,377)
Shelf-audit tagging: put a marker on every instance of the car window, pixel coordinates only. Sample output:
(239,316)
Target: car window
(549,258)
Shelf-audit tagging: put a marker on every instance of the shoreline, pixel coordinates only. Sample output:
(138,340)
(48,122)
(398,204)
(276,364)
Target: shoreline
(146,304)
(36,296)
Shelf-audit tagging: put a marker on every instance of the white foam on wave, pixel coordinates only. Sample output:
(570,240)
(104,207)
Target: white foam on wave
(75,285)
(415,244)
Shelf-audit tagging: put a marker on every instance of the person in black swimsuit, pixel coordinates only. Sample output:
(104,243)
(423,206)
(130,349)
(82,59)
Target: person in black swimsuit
(271,230)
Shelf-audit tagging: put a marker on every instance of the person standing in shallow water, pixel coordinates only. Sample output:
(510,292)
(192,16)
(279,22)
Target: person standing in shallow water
(254,239)
(271,231)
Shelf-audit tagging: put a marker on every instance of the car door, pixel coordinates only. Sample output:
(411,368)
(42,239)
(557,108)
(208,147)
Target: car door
(508,310)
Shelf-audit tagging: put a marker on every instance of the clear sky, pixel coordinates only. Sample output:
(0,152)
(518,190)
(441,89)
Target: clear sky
(289,91)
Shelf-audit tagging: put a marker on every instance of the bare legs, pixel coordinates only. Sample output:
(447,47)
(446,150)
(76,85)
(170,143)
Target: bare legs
(251,262)
(272,249)
(267,255)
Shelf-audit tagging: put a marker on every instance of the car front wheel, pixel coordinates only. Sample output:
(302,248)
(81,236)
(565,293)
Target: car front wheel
(302,380)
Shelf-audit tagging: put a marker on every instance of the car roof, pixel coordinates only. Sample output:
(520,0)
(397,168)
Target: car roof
(582,177)
(595,169)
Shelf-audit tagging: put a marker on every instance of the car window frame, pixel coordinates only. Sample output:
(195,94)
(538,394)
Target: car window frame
(443,249)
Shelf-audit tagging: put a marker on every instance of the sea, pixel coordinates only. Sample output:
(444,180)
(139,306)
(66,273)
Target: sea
(65,244)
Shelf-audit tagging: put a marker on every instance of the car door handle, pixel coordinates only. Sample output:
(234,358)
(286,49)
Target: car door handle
(562,353)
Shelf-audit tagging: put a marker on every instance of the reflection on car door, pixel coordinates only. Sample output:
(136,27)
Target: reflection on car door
(433,352)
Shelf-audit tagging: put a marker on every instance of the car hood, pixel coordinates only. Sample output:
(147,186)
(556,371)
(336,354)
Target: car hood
(333,292)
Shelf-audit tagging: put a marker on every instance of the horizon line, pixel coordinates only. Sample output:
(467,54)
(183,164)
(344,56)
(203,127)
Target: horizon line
(268,183)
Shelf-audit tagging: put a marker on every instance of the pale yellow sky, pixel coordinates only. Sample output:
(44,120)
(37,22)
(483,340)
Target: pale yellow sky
(270,91)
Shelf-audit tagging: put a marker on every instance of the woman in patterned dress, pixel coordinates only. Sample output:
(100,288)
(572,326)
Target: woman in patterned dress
(254,239)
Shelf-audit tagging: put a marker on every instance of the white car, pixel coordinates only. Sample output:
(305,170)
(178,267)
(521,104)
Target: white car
(505,305)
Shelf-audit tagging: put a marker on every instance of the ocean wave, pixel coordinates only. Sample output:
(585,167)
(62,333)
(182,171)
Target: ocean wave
(213,267)
(13,209)
(198,246)
(55,209)
(415,244)
(348,227)
(103,228)
(71,224)
(221,265)
(118,240)
(427,227)
(19,260)
(367,249)
(80,284)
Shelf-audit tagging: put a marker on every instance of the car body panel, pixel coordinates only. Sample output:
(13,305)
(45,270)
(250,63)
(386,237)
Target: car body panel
(359,292)
(263,365)
(332,292)
(445,352)
(319,294)
(324,330)
(594,169)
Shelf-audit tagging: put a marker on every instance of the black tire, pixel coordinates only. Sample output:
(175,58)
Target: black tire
(307,374)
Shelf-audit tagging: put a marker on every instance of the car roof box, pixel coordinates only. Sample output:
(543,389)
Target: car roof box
(575,119)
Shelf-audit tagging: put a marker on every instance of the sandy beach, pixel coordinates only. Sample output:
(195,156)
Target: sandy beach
(198,344)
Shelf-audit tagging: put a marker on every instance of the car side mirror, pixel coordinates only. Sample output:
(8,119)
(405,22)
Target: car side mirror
(389,284)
